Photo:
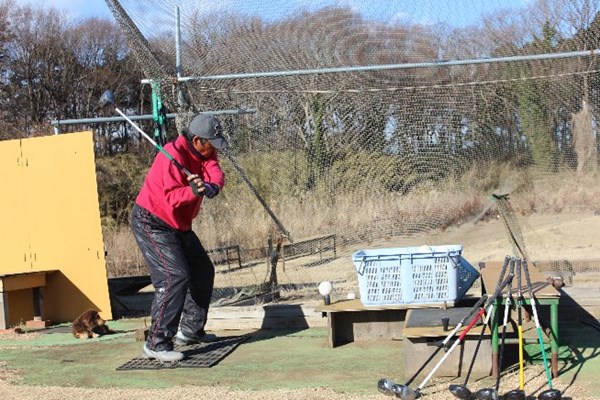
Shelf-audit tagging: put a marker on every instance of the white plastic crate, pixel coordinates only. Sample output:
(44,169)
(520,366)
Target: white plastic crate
(425,274)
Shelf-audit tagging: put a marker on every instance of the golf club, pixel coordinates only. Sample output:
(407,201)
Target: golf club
(446,340)
(516,394)
(384,386)
(158,146)
(461,391)
(405,392)
(193,184)
(507,305)
(107,98)
(520,326)
(551,393)
(492,393)
(486,394)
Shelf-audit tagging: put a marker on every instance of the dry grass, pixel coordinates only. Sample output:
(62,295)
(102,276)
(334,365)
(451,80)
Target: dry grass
(552,214)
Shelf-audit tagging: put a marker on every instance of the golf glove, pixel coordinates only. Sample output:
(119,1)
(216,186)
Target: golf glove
(210,190)
(195,188)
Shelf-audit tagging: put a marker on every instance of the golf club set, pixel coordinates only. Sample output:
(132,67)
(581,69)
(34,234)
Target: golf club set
(512,267)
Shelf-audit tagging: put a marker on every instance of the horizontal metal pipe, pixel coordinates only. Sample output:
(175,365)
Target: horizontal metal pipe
(446,63)
(525,341)
(141,117)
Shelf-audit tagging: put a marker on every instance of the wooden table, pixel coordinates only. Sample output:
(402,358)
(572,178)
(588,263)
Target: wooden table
(545,294)
(350,320)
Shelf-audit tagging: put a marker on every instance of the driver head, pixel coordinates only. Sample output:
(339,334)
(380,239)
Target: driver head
(404,392)
(460,392)
(516,394)
(385,386)
(486,394)
(550,394)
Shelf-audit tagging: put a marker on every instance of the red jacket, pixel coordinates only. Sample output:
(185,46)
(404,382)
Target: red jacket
(166,192)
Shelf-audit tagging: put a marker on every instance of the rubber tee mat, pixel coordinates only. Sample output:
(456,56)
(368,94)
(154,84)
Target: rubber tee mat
(202,355)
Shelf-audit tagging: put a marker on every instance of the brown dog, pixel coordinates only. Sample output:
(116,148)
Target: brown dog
(89,325)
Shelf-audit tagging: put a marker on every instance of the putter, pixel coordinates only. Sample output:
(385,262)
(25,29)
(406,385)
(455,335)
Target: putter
(405,392)
(461,391)
(551,393)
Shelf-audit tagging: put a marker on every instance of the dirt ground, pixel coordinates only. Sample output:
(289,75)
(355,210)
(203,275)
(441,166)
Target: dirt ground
(563,237)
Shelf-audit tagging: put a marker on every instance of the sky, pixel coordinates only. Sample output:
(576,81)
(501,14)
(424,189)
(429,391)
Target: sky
(75,8)
(462,12)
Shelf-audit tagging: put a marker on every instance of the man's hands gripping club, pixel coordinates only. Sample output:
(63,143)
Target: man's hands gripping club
(201,188)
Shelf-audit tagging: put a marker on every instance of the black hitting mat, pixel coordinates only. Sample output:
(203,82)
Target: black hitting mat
(202,355)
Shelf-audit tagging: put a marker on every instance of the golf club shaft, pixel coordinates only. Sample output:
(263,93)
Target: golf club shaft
(507,304)
(446,340)
(537,323)
(487,318)
(258,196)
(485,322)
(158,146)
(467,329)
(520,326)
(456,343)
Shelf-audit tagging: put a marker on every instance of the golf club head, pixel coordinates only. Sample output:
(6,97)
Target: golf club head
(404,392)
(550,394)
(460,392)
(516,394)
(384,386)
(486,394)
(107,98)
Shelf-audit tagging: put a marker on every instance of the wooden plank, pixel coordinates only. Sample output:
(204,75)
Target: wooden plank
(270,316)
(10,282)
(490,274)
(416,327)
(437,331)
(356,305)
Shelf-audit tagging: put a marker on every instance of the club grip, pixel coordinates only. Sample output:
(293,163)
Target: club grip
(471,324)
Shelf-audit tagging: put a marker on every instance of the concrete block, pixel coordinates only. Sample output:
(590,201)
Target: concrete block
(37,324)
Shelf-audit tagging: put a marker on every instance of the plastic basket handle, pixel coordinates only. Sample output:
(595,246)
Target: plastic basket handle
(455,264)
(361,269)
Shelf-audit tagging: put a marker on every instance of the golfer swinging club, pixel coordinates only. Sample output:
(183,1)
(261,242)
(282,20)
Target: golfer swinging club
(181,271)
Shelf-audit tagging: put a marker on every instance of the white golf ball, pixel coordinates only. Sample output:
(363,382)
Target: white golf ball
(325,288)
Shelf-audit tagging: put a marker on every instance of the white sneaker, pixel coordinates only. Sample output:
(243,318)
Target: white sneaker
(184,340)
(163,355)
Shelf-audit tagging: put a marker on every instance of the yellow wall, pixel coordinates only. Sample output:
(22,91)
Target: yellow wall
(50,220)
